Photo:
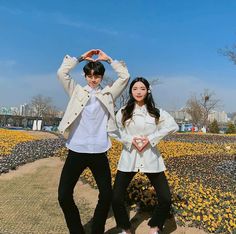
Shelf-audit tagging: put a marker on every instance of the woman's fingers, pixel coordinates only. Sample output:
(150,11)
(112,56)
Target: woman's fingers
(140,143)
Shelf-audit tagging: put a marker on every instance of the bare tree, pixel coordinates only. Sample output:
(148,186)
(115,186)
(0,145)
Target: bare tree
(230,53)
(53,112)
(199,109)
(194,109)
(124,97)
(40,105)
(208,103)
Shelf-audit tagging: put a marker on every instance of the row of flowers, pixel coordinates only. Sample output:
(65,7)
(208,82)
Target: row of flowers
(201,137)
(178,149)
(9,139)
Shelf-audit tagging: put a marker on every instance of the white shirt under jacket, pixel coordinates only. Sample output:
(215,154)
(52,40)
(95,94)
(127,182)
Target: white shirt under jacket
(142,124)
(89,134)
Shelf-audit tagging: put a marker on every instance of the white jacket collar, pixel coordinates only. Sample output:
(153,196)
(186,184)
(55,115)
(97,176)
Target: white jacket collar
(89,89)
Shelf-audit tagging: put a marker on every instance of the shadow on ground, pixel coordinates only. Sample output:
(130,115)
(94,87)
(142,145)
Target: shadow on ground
(137,219)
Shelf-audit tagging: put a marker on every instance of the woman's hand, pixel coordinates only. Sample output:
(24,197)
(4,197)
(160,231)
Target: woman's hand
(140,143)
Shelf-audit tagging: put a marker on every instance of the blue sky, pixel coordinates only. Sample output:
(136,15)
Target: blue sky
(175,41)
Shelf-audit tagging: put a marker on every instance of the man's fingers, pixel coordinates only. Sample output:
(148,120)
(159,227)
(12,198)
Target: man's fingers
(90,53)
(89,59)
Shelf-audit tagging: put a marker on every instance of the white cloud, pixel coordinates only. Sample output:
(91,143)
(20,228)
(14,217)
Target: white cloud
(173,92)
(170,94)
(20,89)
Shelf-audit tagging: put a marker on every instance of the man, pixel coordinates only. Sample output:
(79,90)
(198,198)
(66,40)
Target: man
(88,118)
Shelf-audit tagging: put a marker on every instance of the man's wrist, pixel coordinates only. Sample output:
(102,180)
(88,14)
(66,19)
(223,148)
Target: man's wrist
(80,59)
(109,60)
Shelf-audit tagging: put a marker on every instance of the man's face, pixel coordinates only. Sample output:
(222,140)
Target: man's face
(93,80)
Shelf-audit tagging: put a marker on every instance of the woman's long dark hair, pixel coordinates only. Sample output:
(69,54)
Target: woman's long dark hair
(127,112)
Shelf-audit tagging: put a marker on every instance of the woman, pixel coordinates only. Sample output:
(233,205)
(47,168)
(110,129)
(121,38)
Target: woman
(88,118)
(141,126)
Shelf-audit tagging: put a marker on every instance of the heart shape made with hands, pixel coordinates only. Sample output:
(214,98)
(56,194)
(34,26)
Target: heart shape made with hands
(140,143)
(101,56)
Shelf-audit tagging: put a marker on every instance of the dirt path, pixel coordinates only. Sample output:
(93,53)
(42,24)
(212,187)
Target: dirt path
(28,203)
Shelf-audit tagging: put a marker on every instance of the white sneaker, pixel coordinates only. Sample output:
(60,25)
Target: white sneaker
(156,232)
(123,232)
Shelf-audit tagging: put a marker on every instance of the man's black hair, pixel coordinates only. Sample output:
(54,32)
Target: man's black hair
(97,67)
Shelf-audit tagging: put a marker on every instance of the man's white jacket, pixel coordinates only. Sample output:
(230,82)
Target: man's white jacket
(79,96)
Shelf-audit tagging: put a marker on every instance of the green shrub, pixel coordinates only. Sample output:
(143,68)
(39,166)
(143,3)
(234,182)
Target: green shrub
(213,127)
(231,128)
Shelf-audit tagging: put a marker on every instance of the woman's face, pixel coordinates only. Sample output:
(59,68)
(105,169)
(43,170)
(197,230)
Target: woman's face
(139,92)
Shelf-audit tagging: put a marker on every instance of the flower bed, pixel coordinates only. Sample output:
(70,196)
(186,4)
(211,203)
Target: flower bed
(17,148)
(201,174)
(10,138)
(200,171)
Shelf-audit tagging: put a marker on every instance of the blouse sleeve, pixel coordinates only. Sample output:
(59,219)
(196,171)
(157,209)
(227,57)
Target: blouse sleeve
(121,134)
(166,125)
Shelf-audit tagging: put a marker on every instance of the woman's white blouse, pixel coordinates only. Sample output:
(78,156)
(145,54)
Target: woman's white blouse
(142,124)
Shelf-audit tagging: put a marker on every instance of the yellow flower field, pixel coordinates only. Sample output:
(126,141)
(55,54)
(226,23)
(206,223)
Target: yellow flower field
(200,172)
(178,149)
(10,138)
(194,202)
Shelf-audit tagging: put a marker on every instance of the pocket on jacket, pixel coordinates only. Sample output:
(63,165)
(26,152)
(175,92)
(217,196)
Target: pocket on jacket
(80,98)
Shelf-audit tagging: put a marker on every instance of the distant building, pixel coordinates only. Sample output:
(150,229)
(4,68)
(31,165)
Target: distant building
(14,110)
(5,110)
(9,110)
(180,115)
(60,114)
(219,116)
(24,110)
(233,118)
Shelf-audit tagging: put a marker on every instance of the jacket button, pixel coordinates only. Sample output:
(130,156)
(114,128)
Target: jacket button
(82,105)
(68,122)
(76,114)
